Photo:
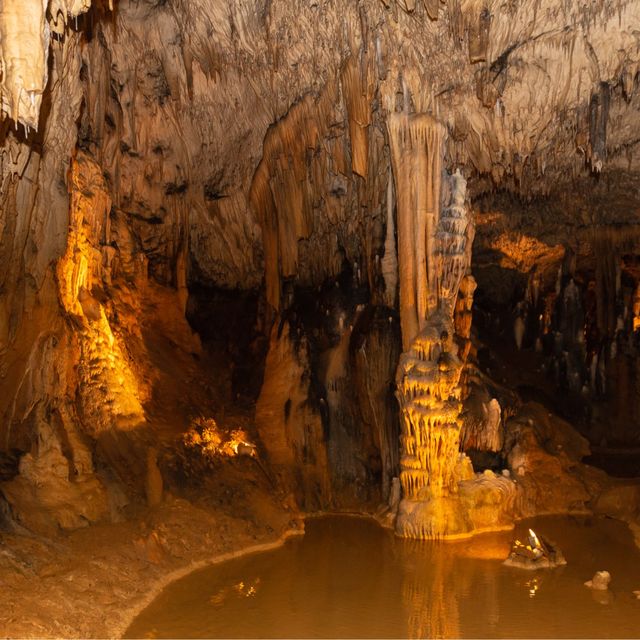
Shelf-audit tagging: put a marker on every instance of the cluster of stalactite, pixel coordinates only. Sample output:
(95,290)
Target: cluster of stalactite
(587,326)
(434,242)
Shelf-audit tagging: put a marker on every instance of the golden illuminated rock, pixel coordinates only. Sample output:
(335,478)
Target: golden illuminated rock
(110,393)
(434,237)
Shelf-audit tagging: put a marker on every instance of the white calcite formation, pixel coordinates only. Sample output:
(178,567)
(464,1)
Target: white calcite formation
(25,34)
(24,38)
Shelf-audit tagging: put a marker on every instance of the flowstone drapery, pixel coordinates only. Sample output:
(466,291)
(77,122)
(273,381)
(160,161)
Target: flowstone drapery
(25,34)
(435,234)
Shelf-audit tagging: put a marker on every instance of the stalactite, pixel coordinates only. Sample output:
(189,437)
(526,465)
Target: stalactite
(282,188)
(390,259)
(416,154)
(24,43)
(479,37)
(24,49)
(598,117)
(357,92)
(278,192)
(432,7)
(606,261)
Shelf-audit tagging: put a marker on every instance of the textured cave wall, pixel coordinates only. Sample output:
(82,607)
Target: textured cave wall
(34,221)
(244,145)
(326,413)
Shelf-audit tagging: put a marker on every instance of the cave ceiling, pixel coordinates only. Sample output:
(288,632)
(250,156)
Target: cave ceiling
(245,128)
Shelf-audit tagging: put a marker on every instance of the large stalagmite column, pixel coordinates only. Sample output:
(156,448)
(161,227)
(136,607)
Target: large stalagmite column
(434,238)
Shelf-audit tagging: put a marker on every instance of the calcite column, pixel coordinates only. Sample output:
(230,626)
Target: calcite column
(433,257)
(416,155)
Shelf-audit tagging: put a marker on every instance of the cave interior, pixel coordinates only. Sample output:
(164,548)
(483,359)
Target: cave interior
(264,259)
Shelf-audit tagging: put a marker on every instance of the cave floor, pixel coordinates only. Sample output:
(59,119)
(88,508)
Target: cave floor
(89,583)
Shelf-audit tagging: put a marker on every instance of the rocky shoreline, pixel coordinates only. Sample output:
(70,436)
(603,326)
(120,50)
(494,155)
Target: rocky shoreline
(92,582)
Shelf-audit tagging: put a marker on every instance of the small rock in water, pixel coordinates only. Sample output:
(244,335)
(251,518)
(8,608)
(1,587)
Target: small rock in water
(600,581)
(537,553)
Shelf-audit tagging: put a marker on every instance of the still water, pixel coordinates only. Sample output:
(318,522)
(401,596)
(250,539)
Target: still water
(348,578)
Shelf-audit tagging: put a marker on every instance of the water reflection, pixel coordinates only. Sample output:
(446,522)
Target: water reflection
(349,578)
(438,578)
(429,601)
(533,585)
(241,589)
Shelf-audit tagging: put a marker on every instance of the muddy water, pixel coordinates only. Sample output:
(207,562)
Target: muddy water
(348,578)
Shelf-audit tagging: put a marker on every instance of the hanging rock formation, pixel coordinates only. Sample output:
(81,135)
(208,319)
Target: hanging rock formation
(25,32)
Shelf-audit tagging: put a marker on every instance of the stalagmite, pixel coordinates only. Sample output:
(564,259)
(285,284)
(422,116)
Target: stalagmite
(429,369)
(434,240)
(110,394)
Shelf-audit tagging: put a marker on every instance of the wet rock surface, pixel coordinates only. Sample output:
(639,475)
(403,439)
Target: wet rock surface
(90,583)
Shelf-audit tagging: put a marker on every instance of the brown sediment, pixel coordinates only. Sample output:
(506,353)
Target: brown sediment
(93,582)
(166,580)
